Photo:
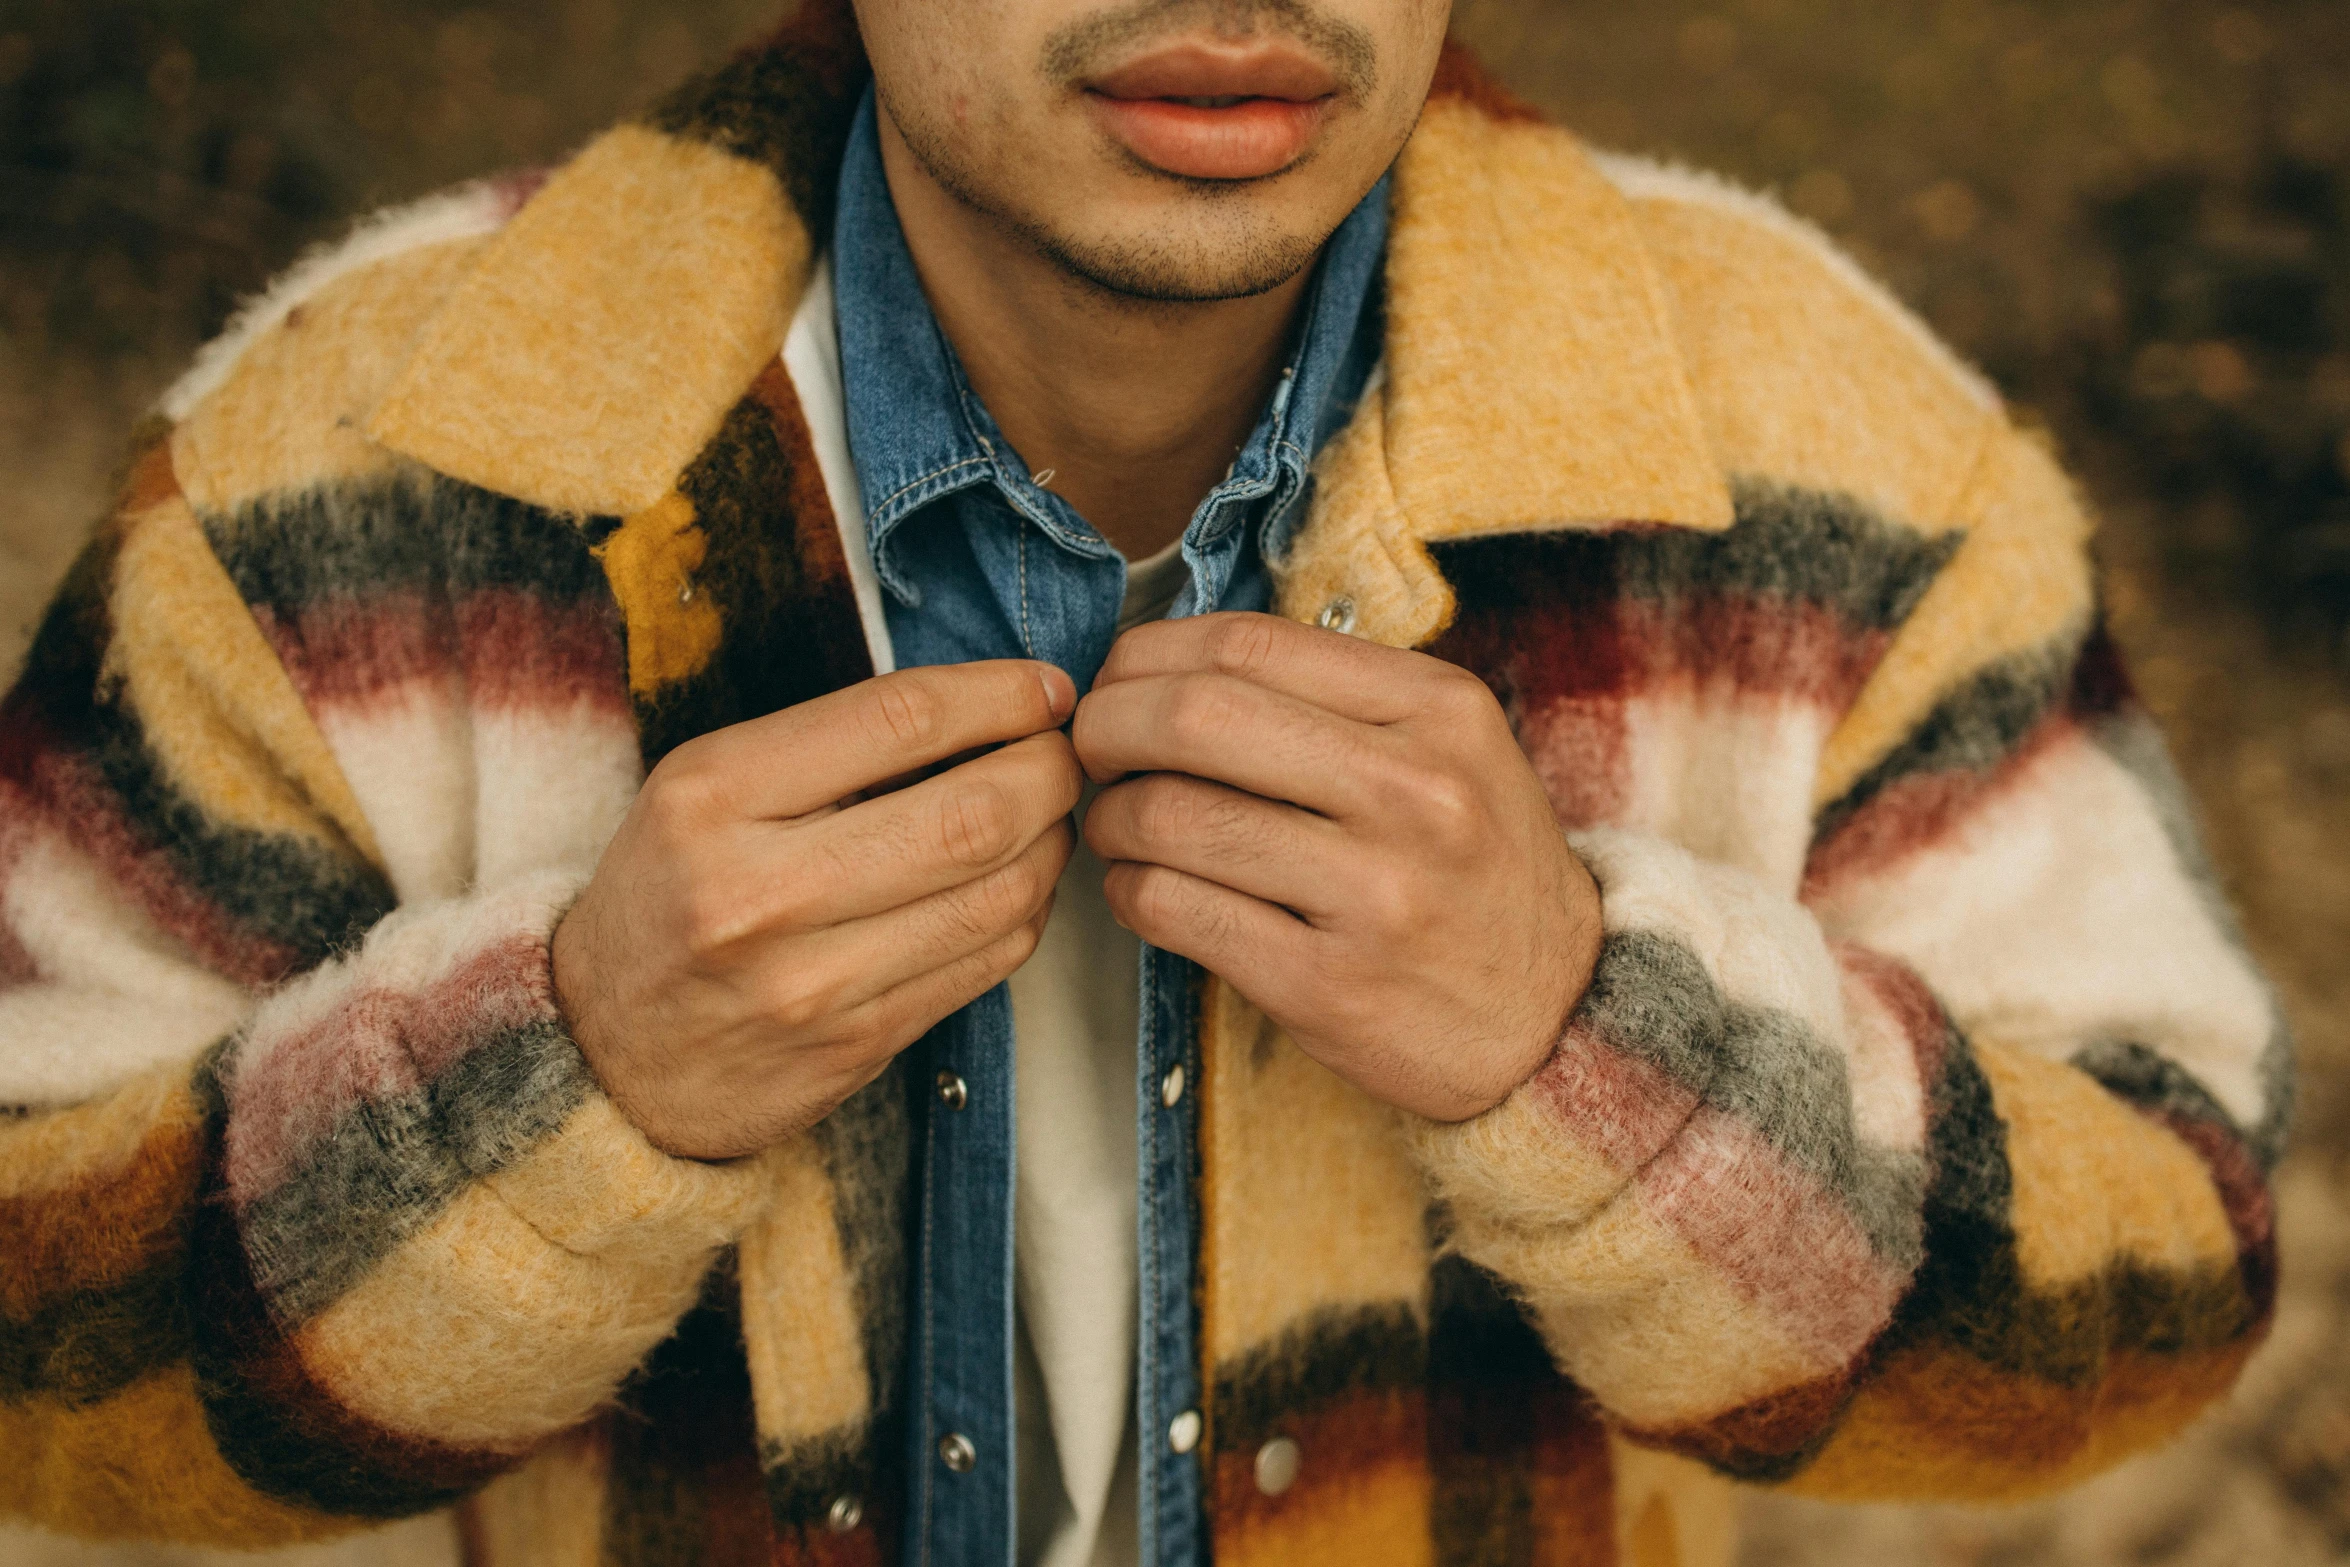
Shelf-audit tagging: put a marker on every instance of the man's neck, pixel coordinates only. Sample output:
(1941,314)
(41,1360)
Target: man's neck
(1134,408)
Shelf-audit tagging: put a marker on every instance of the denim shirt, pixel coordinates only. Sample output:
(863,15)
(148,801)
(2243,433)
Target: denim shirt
(978,561)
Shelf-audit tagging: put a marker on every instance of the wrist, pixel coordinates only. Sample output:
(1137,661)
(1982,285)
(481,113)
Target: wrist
(567,972)
(1558,979)
(580,1004)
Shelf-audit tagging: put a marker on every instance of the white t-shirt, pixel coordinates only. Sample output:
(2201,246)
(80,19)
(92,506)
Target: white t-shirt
(1074,1015)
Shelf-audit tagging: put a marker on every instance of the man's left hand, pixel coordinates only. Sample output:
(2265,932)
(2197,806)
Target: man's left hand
(1350,835)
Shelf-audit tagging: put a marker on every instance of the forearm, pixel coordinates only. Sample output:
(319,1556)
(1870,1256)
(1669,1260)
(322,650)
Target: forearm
(359,1260)
(1711,1193)
(428,1205)
(1772,1208)
(2100,1266)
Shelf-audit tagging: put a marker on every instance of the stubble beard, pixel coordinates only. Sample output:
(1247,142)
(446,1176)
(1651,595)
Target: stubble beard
(1231,256)
(1142,270)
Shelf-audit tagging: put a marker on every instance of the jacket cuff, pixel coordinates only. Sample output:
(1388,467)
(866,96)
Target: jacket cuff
(1712,1192)
(1698,962)
(600,1189)
(432,1061)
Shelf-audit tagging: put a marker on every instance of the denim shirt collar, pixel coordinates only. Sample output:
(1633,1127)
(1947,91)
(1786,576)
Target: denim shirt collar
(917,431)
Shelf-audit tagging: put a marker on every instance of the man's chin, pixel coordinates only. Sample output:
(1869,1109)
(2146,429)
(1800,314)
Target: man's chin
(1158,272)
(1202,251)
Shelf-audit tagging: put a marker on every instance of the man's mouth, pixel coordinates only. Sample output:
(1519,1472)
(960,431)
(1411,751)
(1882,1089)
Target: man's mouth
(1216,111)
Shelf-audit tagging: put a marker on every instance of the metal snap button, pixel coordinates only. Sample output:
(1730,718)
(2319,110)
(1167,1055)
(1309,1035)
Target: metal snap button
(1183,1431)
(1277,1465)
(847,1512)
(956,1452)
(1338,615)
(953,1092)
(1171,1086)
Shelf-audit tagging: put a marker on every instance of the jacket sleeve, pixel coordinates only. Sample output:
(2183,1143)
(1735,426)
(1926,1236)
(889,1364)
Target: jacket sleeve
(311,1212)
(1942,1173)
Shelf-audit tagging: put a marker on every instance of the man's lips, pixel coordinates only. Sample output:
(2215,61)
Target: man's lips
(1215,112)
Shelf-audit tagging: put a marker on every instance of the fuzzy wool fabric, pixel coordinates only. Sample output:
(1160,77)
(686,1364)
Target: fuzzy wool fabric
(1911,1142)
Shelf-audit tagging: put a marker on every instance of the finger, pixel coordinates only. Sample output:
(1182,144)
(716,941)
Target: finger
(815,753)
(851,965)
(941,833)
(1347,675)
(945,764)
(1220,727)
(1243,841)
(1259,948)
(903,1015)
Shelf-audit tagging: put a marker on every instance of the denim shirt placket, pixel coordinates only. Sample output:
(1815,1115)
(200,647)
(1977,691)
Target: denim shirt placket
(965,1266)
(1016,572)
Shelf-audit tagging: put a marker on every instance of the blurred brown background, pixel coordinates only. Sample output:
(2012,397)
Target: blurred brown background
(2135,214)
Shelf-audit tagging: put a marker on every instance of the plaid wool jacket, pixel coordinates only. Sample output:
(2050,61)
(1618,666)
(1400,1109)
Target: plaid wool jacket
(1911,1142)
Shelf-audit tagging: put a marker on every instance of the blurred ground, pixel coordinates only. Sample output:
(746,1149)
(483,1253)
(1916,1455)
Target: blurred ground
(2134,213)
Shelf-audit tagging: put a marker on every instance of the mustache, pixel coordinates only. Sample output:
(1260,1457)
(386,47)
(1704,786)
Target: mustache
(1083,48)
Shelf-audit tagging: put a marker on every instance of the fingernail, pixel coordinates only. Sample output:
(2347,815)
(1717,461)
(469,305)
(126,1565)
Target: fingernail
(1060,692)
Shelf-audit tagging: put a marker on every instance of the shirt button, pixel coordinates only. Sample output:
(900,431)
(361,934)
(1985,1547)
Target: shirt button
(1183,1431)
(956,1452)
(953,1092)
(1277,1465)
(847,1512)
(1171,1086)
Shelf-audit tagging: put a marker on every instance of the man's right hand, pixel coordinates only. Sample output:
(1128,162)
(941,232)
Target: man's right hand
(761,938)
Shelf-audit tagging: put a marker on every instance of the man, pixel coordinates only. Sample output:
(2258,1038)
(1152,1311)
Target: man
(516,1007)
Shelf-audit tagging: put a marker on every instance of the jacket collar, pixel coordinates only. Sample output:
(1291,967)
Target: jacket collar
(1531,382)
(1532,378)
(597,345)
